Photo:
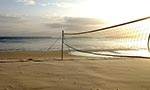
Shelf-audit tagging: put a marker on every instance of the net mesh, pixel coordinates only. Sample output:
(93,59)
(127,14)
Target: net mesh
(126,39)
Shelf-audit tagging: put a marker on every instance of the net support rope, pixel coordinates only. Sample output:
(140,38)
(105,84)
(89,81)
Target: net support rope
(50,49)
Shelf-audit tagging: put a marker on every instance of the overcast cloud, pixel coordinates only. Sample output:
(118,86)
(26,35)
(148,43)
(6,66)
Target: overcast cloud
(73,24)
(27,2)
(39,26)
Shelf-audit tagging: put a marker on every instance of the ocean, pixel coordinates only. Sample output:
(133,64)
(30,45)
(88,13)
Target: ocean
(27,43)
(127,47)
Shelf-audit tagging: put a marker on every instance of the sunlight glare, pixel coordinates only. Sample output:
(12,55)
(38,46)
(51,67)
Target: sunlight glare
(115,10)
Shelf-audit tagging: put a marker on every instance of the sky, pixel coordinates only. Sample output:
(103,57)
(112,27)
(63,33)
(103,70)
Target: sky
(49,17)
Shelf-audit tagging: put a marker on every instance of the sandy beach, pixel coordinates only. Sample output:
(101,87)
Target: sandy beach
(43,71)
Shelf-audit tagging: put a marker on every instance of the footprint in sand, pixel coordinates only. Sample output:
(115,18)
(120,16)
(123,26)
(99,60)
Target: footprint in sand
(10,87)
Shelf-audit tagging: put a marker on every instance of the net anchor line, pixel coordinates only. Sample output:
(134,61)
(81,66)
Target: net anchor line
(50,48)
(109,27)
(53,43)
(88,52)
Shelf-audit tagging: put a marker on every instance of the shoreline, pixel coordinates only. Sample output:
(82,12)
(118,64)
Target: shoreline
(53,55)
(24,56)
(31,54)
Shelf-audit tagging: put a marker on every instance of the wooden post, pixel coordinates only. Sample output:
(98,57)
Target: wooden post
(62,46)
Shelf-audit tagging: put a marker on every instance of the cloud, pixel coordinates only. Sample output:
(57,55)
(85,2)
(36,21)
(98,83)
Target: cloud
(9,18)
(44,4)
(11,25)
(77,24)
(20,25)
(58,4)
(27,2)
(63,4)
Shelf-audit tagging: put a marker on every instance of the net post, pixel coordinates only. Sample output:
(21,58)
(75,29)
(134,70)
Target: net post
(62,46)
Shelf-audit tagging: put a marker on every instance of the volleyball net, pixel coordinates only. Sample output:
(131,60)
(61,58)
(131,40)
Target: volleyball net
(130,39)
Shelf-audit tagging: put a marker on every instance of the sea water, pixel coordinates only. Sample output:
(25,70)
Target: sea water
(135,48)
(27,43)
